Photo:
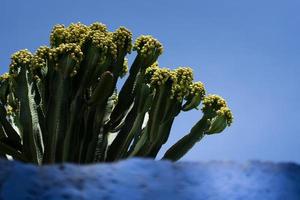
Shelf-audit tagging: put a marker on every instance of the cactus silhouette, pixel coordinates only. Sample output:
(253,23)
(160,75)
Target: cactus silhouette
(61,104)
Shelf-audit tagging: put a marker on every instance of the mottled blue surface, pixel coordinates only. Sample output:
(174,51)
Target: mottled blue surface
(147,179)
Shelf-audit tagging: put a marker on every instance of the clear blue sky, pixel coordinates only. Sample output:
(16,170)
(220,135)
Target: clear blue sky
(246,51)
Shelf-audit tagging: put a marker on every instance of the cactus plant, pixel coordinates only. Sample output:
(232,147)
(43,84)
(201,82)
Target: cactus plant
(61,104)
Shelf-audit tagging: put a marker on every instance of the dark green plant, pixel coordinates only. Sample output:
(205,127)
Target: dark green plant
(61,103)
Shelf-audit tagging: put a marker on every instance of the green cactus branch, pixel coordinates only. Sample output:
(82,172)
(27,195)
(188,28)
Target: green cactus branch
(60,104)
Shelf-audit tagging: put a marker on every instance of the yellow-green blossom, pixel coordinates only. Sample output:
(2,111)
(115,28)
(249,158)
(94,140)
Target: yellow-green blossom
(122,37)
(184,78)
(67,51)
(161,76)
(19,59)
(4,77)
(124,68)
(147,46)
(213,103)
(75,33)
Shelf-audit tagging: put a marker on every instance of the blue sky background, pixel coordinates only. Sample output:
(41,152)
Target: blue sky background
(246,51)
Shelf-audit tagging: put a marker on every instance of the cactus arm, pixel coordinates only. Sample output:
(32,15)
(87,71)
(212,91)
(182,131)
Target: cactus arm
(171,110)
(119,147)
(101,148)
(2,132)
(40,100)
(31,131)
(2,136)
(99,98)
(120,112)
(139,145)
(100,136)
(22,87)
(133,121)
(155,116)
(64,63)
(90,135)
(87,68)
(155,119)
(76,110)
(103,90)
(165,127)
(56,122)
(217,116)
(161,102)
(182,87)
(163,132)
(136,128)
(4,87)
(96,137)
(111,102)
(115,148)
(139,136)
(179,149)
(9,130)
(122,37)
(91,68)
(8,141)
(126,95)
(12,152)
(148,49)
(100,52)
(102,140)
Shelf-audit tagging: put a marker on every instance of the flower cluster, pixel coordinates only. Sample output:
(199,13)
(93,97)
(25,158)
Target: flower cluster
(97,26)
(67,51)
(19,59)
(103,43)
(218,113)
(184,78)
(96,33)
(122,37)
(226,112)
(124,70)
(4,77)
(39,59)
(213,103)
(180,78)
(161,76)
(147,46)
(75,33)
(150,71)
(197,89)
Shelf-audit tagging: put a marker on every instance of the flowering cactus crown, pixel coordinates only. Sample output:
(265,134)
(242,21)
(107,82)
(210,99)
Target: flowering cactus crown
(61,103)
